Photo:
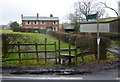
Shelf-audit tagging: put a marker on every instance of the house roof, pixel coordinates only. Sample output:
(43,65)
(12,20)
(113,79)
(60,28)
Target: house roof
(40,18)
(105,20)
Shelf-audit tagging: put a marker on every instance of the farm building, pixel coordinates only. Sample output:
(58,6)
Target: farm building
(36,22)
(68,27)
(105,25)
(119,8)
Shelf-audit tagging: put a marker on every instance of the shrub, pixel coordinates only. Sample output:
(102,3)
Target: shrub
(84,42)
(14,39)
(23,30)
(43,31)
(104,44)
(73,38)
(112,36)
(64,37)
(52,33)
(6,40)
(90,44)
(16,29)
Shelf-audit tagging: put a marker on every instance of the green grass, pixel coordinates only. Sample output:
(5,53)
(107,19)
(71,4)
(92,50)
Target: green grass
(115,43)
(33,38)
(40,38)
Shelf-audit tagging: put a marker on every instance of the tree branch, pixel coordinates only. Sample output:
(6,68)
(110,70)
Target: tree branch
(110,8)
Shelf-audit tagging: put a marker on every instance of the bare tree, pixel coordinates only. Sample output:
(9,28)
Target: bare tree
(87,7)
(110,8)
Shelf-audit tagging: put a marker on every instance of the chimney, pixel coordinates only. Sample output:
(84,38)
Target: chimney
(51,15)
(21,16)
(37,15)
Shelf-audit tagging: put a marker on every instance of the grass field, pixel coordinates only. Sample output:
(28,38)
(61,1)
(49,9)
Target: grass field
(39,38)
(34,38)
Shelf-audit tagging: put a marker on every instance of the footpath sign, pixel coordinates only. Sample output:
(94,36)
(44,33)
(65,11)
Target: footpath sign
(95,16)
(92,16)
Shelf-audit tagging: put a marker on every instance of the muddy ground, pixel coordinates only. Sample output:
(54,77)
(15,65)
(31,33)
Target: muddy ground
(61,70)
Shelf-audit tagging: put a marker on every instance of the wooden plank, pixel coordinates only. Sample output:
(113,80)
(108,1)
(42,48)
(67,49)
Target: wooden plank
(66,55)
(25,59)
(66,49)
(32,51)
(30,44)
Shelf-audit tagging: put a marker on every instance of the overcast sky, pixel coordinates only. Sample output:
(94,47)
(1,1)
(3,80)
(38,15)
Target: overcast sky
(11,10)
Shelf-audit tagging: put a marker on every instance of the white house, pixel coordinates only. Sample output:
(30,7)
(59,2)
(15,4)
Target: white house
(105,25)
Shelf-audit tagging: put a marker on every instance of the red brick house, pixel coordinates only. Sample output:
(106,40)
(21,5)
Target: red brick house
(36,22)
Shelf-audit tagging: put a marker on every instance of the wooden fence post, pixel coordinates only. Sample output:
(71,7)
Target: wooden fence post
(69,52)
(45,50)
(36,48)
(55,53)
(75,53)
(82,56)
(19,52)
(59,51)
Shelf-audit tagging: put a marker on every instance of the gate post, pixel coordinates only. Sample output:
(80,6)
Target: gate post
(55,53)
(19,52)
(36,47)
(59,51)
(45,50)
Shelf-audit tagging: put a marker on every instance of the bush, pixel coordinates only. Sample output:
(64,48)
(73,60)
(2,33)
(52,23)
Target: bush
(52,33)
(6,40)
(90,44)
(84,42)
(73,38)
(23,30)
(104,44)
(14,39)
(16,29)
(65,37)
(112,36)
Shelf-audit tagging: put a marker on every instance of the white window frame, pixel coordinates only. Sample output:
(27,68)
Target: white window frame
(28,23)
(35,23)
(43,22)
(54,28)
(55,22)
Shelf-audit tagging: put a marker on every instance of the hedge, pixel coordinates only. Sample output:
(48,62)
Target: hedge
(6,40)
(112,36)
(84,42)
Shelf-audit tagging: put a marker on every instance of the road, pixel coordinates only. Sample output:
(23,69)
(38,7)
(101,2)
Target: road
(111,74)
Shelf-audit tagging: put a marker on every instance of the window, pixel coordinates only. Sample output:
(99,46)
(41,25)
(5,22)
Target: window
(35,22)
(55,29)
(55,22)
(43,22)
(28,22)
